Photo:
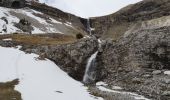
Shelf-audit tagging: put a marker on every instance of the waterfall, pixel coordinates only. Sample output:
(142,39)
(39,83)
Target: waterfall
(90,72)
(89,26)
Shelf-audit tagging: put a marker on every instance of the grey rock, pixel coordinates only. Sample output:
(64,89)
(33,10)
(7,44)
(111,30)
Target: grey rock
(156,72)
(166,93)
(115,25)
(166,80)
(136,80)
(13,3)
(137,52)
(72,58)
(147,76)
(25,26)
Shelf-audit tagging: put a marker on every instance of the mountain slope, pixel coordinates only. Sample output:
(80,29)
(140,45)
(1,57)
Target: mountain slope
(89,8)
(115,25)
(40,22)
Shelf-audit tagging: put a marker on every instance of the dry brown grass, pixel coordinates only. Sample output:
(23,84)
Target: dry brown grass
(41,39)
(7,91)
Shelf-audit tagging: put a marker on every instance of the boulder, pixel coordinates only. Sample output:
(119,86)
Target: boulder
(25,26)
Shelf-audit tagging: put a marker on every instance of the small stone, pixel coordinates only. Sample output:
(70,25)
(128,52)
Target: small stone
(166,93)
(147,76)
(138,70)
(136,80)
(120,69)
(156,72)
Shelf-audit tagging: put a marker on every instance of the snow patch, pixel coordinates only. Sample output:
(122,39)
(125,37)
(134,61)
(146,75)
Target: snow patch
(7,39)
(167,72)
(39,79)
(47,26)
(136,96)
(101,84)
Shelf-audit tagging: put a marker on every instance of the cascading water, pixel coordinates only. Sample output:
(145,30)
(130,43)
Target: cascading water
(89,26)
(90,72)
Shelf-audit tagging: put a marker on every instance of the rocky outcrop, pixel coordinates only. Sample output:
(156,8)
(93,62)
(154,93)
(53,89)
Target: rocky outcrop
(115,25)
(13,3)
(131,60)
(71,58)
(25,26)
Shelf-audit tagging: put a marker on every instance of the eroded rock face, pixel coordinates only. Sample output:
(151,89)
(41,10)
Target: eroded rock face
(130,61)
(71,58)
(115,25)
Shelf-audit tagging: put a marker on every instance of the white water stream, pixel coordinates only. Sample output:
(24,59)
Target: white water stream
(89,27)
(90,74)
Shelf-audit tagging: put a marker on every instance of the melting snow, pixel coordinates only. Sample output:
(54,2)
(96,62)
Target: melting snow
(11,19)
(167,72)
(39,80)
(46,25)
(7,39)
(101,84)
(136,96)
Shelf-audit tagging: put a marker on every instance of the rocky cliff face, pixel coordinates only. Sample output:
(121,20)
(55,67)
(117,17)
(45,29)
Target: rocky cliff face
(57,14)
(132,60)
(137,58)
(115,25)
(72,58)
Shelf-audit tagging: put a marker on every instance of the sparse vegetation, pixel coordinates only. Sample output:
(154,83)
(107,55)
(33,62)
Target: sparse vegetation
(40,39)
(7,91)
(79,36)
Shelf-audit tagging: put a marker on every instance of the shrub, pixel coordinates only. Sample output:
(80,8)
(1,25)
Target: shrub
(79,36)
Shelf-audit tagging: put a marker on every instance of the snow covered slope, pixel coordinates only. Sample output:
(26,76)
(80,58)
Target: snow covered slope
(89,8)
(39,80)
(41,23)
